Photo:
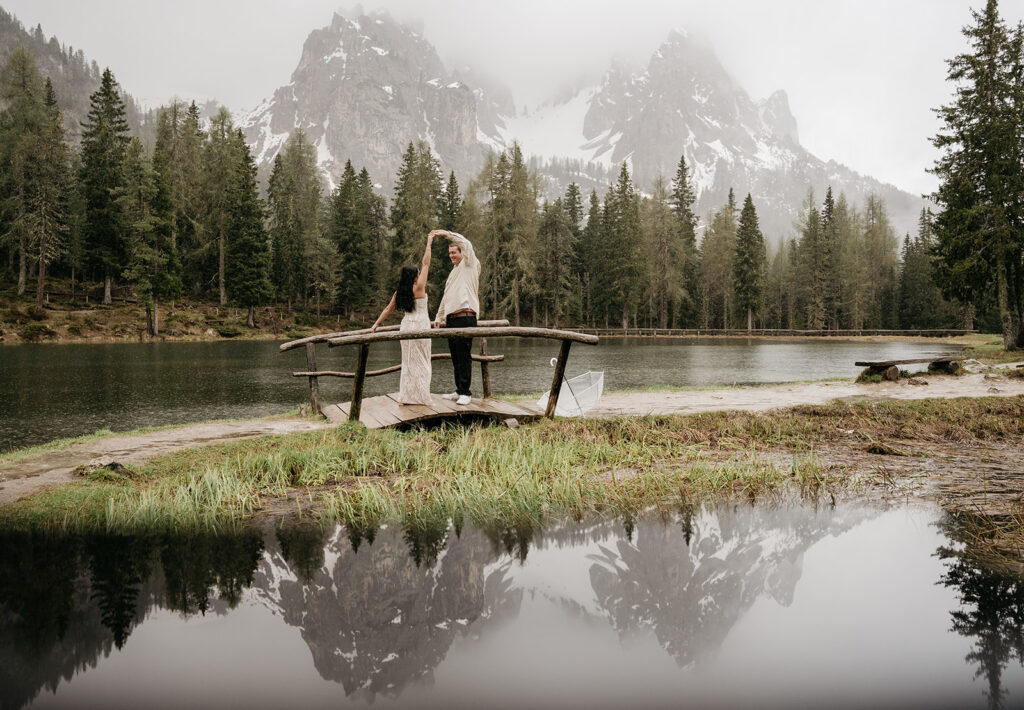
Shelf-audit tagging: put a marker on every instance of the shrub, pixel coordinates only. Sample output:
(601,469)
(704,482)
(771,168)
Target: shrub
(34,332)
(228,331)
(37,313)
(306,318)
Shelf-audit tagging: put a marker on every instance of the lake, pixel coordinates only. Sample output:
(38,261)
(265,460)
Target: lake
(55,391)
(739,606)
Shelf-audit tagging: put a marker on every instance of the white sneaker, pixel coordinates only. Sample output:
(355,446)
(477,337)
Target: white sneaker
(463,399)
(452,396)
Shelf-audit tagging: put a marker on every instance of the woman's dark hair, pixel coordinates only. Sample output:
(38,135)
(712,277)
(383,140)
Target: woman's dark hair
(403,296)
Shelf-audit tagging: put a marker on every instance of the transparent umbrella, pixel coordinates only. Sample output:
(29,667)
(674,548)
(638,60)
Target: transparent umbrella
(578,394)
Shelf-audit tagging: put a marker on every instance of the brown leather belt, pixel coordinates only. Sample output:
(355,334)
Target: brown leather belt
(463,312)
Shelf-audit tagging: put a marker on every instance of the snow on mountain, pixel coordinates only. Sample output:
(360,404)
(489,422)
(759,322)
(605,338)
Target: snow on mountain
(367,86)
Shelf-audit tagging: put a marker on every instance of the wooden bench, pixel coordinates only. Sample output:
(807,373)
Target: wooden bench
(889,369)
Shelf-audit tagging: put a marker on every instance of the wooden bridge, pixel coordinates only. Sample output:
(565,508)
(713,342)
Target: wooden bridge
(387,411)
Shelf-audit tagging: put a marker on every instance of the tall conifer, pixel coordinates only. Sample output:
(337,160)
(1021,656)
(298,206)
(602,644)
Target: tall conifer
(104,145)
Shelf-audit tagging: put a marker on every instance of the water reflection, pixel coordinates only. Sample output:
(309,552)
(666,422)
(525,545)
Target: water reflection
(991,615)
(380,611)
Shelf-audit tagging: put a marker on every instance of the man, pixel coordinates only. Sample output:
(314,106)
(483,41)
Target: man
(459,307)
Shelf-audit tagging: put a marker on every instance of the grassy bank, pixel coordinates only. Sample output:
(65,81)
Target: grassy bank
(496,475)
(67,320)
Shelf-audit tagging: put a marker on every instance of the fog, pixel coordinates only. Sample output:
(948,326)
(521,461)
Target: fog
(862,75)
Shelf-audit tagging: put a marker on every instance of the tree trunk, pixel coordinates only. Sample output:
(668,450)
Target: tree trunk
(107,299)
(1006,316)
(663,312)
(251,322)
(515,297)
(40,283)
(220,272)
(750,319)
(22,269)
(968,316)
(149,318)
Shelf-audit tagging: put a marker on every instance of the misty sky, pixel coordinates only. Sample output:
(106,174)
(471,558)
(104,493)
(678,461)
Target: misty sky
(862,75)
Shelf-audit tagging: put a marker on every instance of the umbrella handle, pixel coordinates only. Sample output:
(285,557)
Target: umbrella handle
(554,360)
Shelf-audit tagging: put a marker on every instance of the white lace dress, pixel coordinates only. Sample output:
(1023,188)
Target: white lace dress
(414,386)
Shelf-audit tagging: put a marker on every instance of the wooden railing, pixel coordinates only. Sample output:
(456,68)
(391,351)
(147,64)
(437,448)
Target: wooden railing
(483,330)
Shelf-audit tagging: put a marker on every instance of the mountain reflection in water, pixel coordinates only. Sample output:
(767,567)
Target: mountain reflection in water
(445,614)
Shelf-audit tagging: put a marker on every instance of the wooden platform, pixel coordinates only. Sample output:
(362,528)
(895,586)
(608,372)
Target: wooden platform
(386,411)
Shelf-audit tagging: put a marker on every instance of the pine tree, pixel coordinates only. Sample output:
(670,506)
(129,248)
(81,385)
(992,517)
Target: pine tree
(683,199)
(749,264)
(556,247)
(21,123)
(624,246)
(881,246)
(248,257)
(981,173)
(812,258)
(177,157)
(830,238)
(48,204)
(104,145)
(144,205)
(921,304)
(591,242)
(295,219)
(717,251)
(220,165)
(416,206)
(350,230)
(573,202)
(512,221)
(666,248)
(451,204)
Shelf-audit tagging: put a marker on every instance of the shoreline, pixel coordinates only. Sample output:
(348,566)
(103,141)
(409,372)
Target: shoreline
(952,441)
(257,334)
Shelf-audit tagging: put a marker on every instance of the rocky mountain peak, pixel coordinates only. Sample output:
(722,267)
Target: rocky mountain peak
(776,115)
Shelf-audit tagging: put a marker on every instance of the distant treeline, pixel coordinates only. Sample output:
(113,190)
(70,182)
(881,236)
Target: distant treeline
(188,219)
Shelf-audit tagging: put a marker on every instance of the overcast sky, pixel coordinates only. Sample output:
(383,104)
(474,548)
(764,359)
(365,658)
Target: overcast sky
(862,75)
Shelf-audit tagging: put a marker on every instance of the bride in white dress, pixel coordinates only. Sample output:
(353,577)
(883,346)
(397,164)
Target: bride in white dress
(411,298)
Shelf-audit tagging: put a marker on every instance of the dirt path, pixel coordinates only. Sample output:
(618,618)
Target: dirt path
(760,399)
(32,474)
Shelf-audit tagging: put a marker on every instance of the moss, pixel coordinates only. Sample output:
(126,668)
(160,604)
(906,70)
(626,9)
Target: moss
(34,332)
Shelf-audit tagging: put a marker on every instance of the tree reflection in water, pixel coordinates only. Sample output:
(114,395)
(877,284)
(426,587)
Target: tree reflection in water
(991,612)
(380,607)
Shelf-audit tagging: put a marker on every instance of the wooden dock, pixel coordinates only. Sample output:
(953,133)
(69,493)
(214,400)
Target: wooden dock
(386,411)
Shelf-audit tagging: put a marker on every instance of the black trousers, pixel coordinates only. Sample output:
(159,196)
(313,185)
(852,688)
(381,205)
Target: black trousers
(461,350)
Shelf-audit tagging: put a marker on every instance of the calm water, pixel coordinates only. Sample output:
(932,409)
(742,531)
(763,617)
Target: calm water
(736,606)
(53,391)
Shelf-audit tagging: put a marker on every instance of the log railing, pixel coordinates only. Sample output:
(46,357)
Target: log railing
(483,330)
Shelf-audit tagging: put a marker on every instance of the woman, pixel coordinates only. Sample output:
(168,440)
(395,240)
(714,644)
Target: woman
(411,297)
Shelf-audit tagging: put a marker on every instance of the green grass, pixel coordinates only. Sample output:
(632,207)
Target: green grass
(496,475)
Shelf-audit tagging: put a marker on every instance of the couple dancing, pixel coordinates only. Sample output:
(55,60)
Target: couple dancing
(459,306)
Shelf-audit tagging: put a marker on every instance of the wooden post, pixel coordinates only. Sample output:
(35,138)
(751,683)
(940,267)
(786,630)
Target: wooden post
(485,370)
(357,383)
(556,383)
(314,383)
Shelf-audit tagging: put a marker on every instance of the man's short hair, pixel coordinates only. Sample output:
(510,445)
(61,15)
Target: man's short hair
(455,246)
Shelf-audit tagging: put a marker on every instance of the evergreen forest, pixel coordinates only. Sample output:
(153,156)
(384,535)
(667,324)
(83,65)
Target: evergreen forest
(182,213)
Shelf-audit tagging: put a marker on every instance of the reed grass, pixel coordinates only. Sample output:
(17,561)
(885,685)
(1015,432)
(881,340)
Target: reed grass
(501,476)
